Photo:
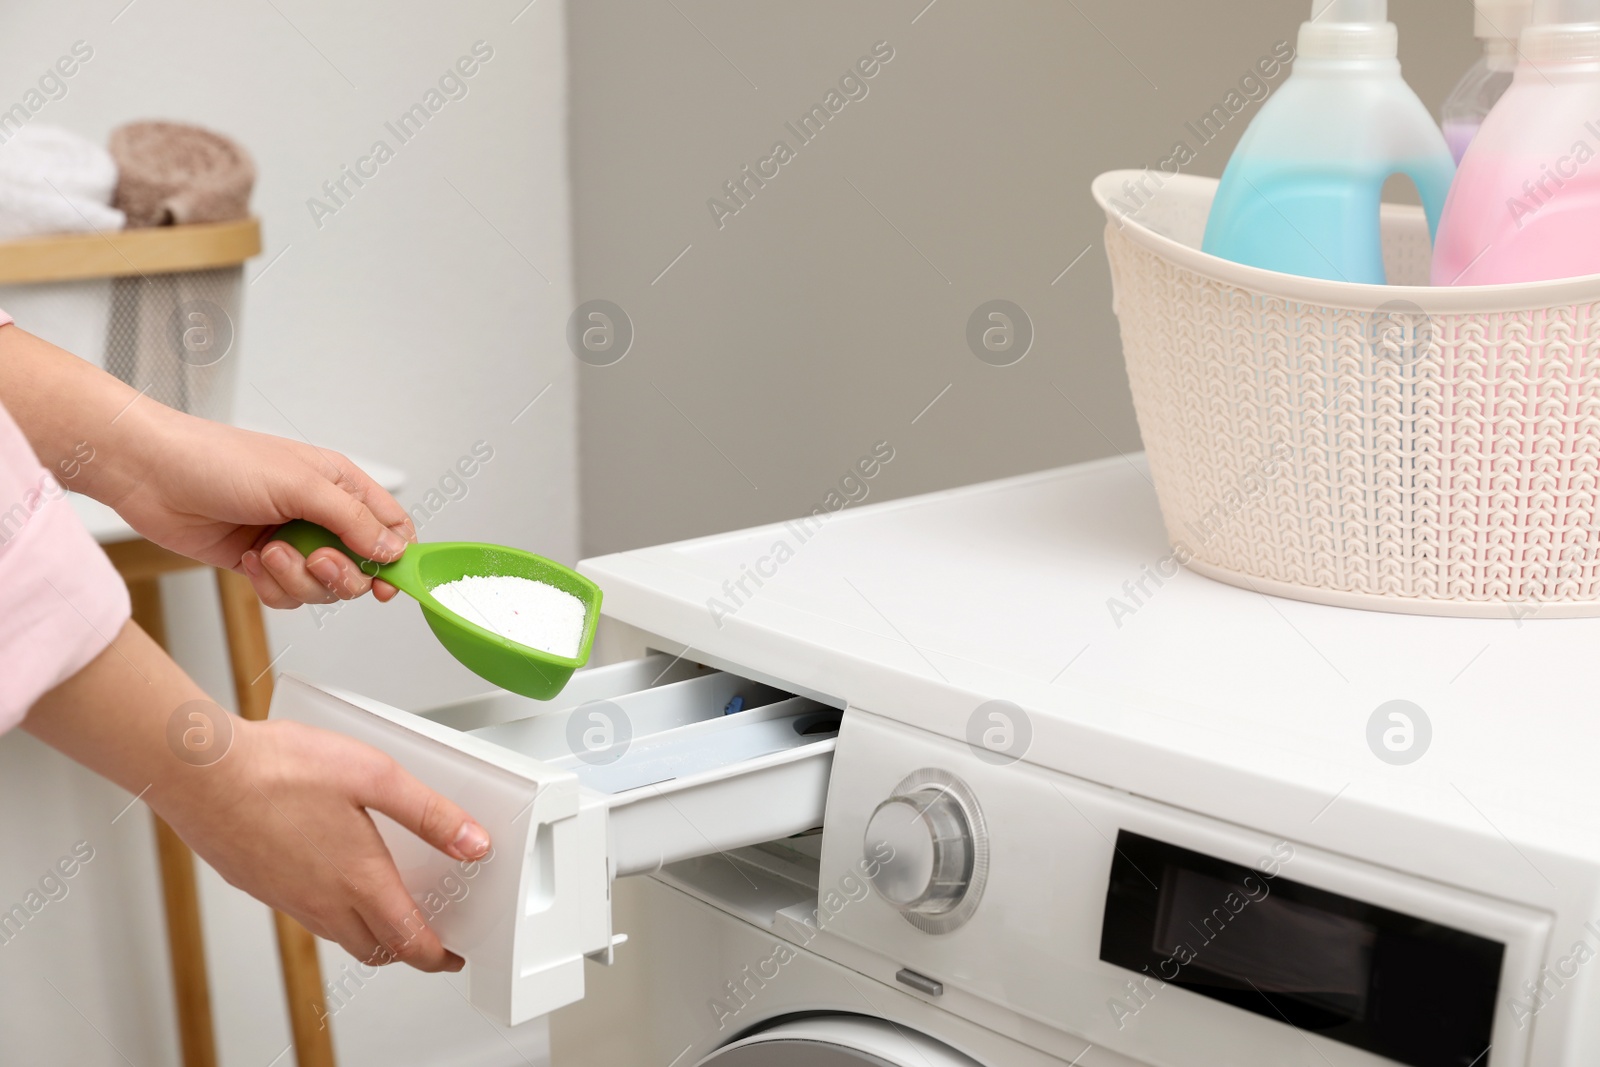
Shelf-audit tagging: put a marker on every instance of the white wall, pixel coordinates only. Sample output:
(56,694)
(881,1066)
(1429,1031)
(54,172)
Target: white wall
(405,328)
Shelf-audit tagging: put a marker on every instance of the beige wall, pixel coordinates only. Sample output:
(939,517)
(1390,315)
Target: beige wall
(826,314)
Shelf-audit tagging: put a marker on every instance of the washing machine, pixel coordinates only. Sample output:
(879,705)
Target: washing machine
(984,777)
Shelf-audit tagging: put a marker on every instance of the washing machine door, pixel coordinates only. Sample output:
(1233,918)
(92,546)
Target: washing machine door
(839,1041)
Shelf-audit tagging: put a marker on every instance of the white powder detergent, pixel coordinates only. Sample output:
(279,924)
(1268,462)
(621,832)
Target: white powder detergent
(519,609)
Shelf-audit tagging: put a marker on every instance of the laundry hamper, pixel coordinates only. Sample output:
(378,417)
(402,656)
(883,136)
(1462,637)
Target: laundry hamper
(157,307)
(1399,447)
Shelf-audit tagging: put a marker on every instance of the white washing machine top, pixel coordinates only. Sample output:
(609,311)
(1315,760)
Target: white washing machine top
(1038,590)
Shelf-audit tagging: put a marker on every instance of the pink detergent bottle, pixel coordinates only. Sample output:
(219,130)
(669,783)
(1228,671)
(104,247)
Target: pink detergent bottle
(1525,205)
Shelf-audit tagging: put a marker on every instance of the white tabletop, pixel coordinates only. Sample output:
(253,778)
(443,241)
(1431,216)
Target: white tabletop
(1216,698)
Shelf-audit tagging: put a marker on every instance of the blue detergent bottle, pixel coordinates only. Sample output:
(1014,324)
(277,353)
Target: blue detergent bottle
(1302,191)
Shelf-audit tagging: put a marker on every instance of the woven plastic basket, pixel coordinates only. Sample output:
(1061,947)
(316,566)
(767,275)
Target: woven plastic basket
(1397,447)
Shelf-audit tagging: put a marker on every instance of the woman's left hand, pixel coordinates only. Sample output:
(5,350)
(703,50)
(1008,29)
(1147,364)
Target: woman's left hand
(216,493)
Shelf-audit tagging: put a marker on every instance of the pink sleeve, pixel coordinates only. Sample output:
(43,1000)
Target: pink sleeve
(61,602)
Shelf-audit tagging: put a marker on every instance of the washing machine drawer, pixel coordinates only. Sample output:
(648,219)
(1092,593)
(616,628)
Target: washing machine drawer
(635,765)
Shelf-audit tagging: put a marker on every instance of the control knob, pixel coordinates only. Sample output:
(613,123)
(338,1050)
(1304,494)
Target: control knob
(928,851)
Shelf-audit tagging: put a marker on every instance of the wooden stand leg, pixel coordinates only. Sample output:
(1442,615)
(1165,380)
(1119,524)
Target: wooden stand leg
(297,947)
(185,943)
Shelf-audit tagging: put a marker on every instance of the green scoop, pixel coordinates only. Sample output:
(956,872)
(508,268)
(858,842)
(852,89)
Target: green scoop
(509,665)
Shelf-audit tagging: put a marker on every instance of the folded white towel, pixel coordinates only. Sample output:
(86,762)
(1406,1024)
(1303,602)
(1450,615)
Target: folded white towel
(53,181)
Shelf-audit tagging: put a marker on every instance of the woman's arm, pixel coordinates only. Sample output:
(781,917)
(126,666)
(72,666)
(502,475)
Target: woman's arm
(60,401)
(211,492)
(277,808)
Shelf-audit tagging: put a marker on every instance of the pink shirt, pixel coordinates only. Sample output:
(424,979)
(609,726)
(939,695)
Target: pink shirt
(61,601)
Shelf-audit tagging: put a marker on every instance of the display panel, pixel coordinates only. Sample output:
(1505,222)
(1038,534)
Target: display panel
(1415,991)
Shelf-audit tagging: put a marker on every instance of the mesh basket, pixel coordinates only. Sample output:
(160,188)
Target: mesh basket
(1398,447)
(159,308)
(172,335)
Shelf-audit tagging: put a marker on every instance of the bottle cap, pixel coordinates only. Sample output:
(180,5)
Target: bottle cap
(1562,30)
(1349,29)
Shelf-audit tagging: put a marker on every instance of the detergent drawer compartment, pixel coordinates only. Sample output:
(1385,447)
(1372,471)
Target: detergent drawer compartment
(633,766)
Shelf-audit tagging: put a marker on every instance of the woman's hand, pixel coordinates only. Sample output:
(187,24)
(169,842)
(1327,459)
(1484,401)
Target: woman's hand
(280,809)
(283,816)
(205,490)
(216,494)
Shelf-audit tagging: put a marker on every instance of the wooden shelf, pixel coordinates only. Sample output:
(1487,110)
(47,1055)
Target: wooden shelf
(154,250)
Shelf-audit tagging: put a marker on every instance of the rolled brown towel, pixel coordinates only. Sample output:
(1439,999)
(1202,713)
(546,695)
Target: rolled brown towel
(170,173)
